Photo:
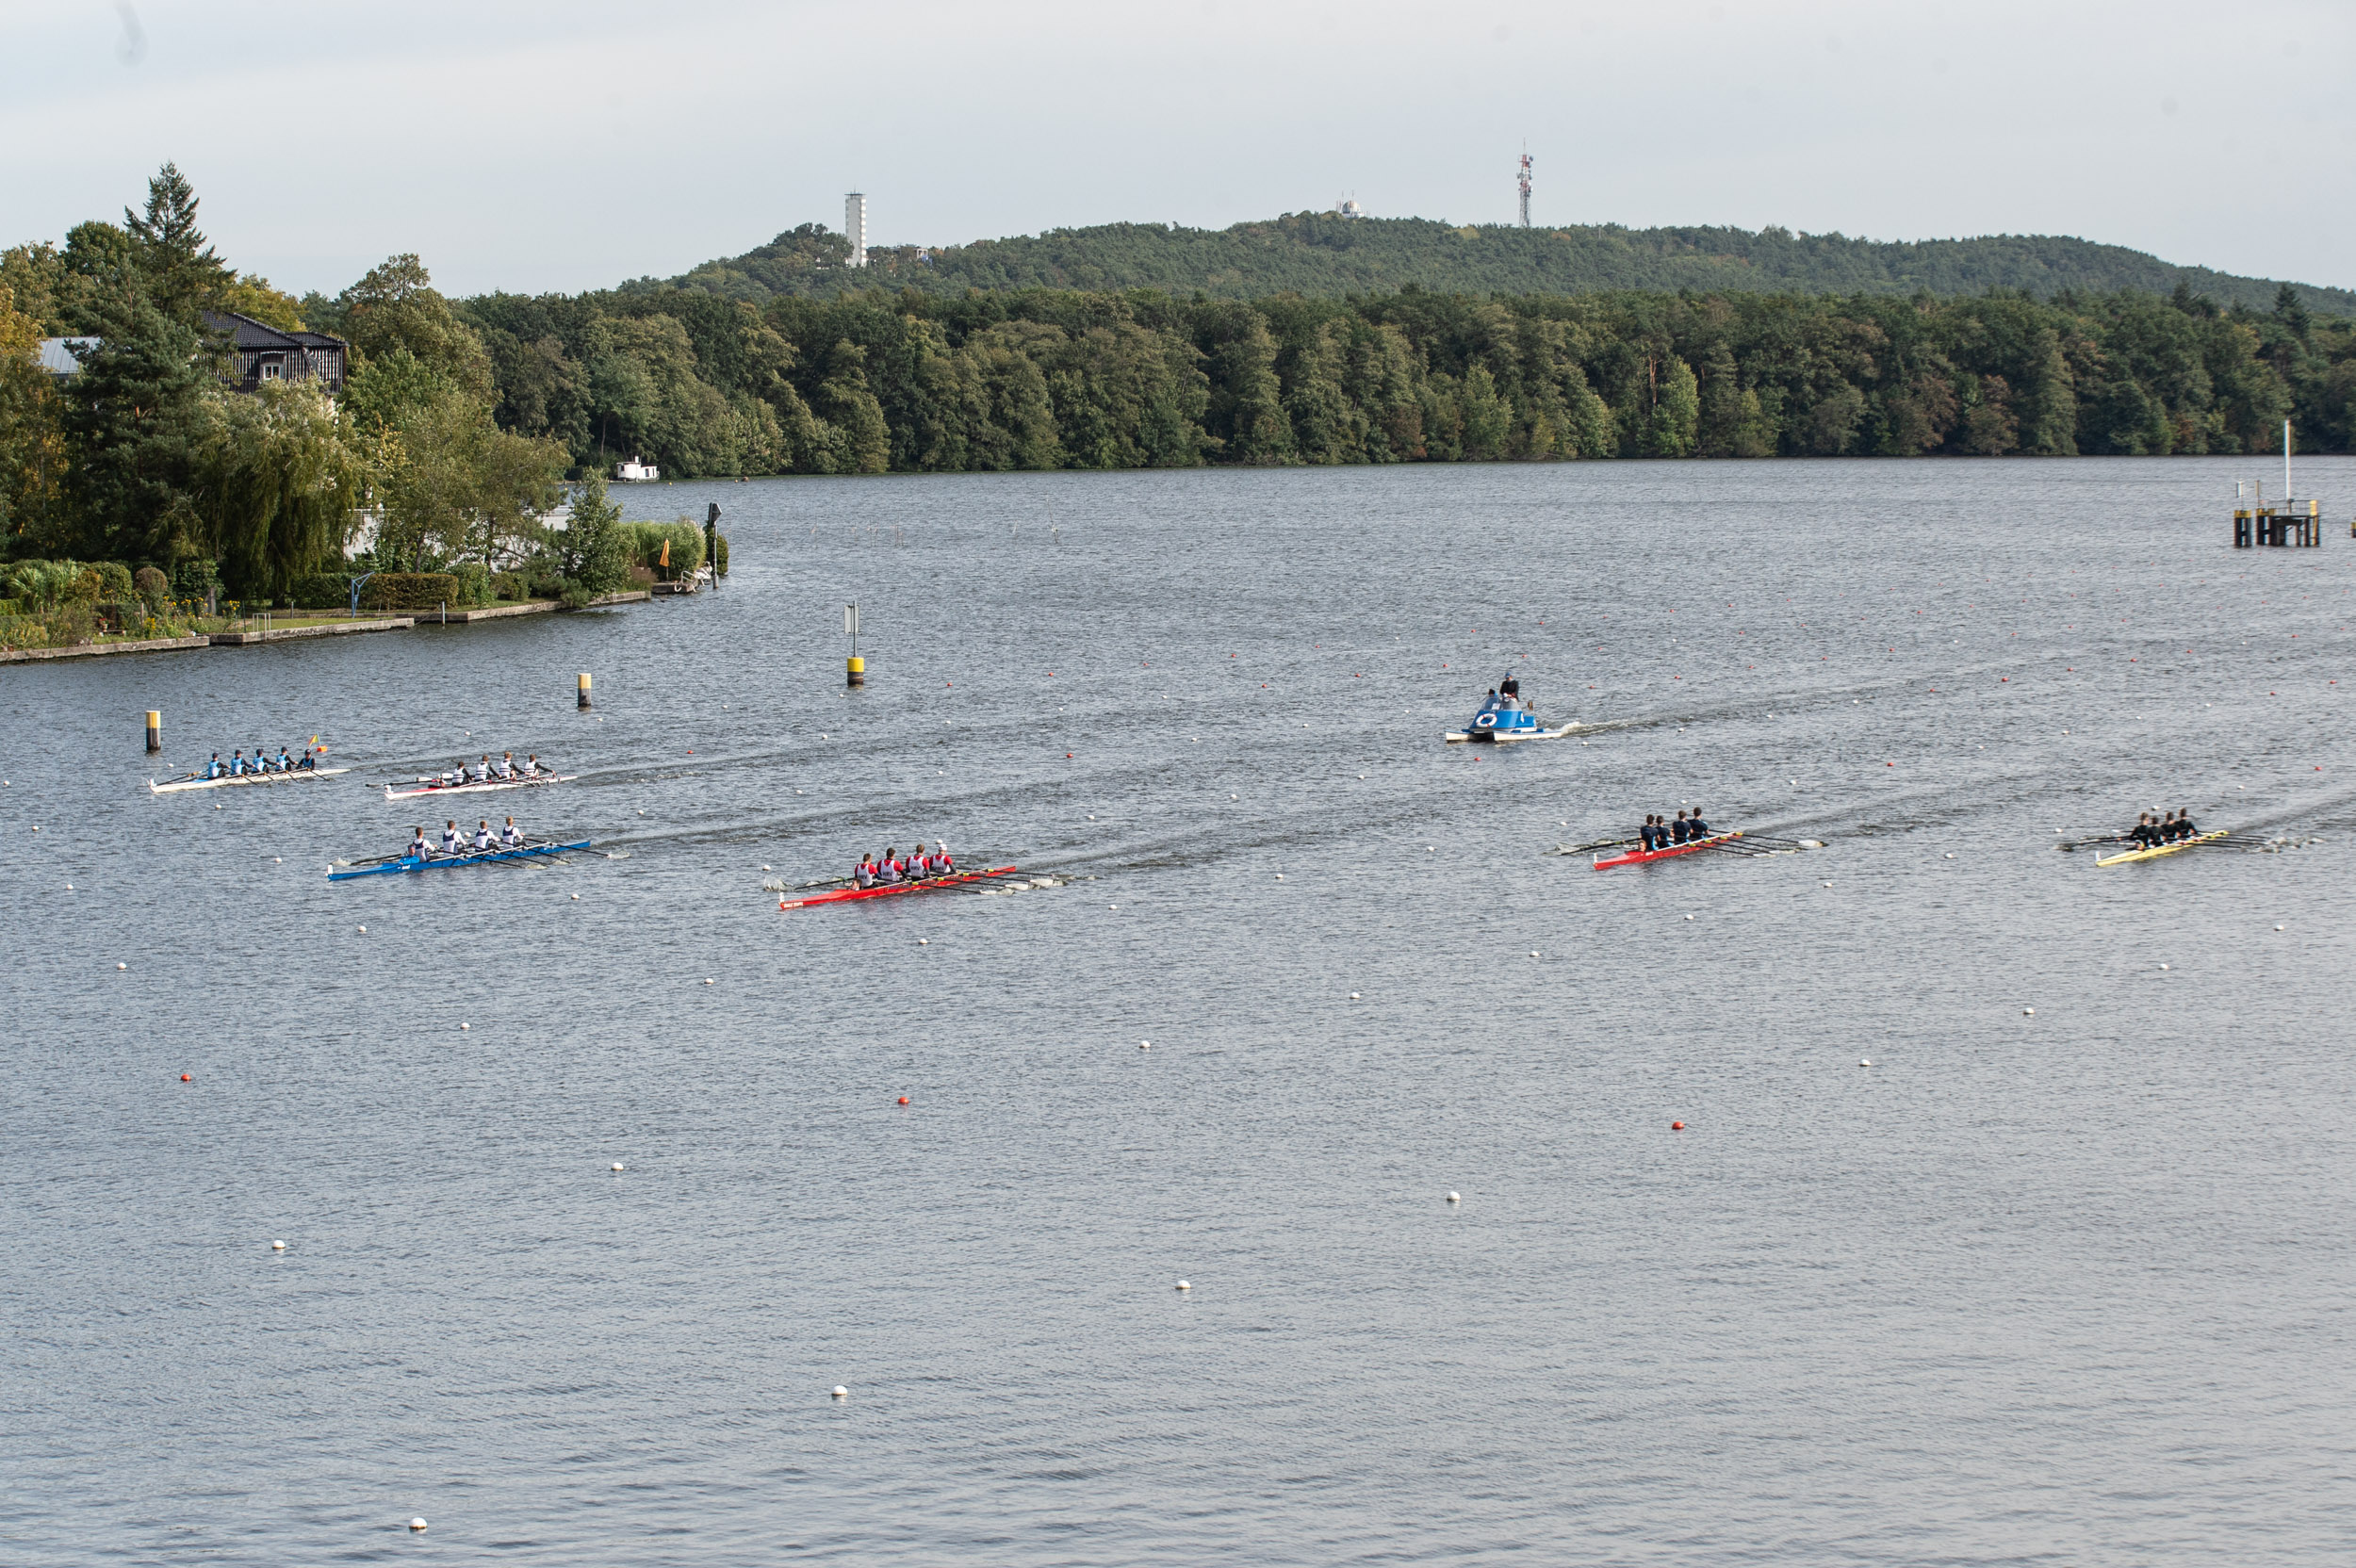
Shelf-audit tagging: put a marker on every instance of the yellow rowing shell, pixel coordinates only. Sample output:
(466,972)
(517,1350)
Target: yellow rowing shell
(2164,849)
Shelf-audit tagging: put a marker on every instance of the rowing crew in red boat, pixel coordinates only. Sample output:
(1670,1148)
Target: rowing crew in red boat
(918,867)
(1660,833)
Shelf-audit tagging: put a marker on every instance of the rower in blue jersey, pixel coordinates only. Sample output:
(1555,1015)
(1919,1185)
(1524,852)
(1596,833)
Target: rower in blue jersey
(1677,830)
(286,759)
(1644,834)
(1696,829)
(215,768)
(449,835)
(419,849)
(512,837)
(237,765)
(482,839)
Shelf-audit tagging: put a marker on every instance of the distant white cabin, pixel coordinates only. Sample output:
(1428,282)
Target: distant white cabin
(634,472)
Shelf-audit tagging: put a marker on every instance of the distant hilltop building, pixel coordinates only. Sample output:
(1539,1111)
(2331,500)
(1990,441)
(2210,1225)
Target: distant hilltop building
(855,226)
(1349,208)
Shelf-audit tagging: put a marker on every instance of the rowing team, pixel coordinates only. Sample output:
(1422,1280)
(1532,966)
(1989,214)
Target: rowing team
(239,766)
(1661,833)
(893,868)
(505,770)
(2151,832)
(454,842)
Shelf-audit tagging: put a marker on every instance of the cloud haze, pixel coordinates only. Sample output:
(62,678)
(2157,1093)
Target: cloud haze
(536,146)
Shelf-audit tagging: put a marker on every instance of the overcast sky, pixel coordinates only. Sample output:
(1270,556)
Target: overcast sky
(533,146)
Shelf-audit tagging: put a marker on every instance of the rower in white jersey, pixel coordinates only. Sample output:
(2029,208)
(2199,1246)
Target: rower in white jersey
(505,766)
(512,837)
(482,839)
(419,849)
(481,772)
(449,835)
(531,766)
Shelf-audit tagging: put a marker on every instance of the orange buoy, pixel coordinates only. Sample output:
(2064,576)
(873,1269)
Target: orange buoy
(1677,1126)
(904,1099)
(184,1077)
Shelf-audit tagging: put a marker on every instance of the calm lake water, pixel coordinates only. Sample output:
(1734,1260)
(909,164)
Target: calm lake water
(2070,1286)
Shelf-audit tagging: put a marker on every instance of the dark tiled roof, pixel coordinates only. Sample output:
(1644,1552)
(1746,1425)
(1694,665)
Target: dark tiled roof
(246,332)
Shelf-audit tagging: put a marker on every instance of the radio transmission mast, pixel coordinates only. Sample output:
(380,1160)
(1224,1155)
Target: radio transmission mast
(1525,187)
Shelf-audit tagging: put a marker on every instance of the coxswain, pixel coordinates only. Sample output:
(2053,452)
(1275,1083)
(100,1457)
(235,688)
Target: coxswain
(449,835)
(1509,688)
(482,839)
(505,766)
(215,769)
(419,849)
(311,756)
(512,836)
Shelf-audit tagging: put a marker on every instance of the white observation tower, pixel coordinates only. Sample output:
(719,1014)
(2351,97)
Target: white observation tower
(855,226)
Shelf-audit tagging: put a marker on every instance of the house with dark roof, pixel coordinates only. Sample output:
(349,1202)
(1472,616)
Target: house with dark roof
(260,353)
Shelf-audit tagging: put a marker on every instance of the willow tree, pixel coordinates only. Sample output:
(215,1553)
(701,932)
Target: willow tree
(277,484)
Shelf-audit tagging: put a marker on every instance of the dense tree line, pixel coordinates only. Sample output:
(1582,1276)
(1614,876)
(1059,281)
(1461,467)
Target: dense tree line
(1326,254)
(1048,379)
(460,420)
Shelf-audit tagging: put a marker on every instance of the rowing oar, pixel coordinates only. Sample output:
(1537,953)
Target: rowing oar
(1599,844)
(2068,845)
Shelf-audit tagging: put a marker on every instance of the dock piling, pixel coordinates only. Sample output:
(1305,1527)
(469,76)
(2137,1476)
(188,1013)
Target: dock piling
(155,730)
(582,692)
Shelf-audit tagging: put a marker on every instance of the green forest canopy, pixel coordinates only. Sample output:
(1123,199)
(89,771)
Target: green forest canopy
(1324,253)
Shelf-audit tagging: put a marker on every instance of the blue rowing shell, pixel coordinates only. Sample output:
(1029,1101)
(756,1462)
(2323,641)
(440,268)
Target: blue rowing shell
(406,863)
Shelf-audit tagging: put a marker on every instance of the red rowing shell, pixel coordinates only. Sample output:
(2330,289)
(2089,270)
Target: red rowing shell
(844,896)
(1637,857)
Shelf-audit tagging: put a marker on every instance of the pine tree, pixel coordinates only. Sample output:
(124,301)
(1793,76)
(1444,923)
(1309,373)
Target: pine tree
(135,426)
(181,271)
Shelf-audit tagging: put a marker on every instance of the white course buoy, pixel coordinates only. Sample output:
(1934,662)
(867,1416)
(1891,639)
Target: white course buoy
(1280,876)
(1865,1061)
(923,942)
(1453,1199)
(765,868)
(1688,917)
(364,930)
(1182,1286)
(1533,953)
(1234,797)
(278,859)
(706,981)
(1112,907)
(1827,884)
(278,1246)
(70,888)
(126,966)
(1145,1045)
(618,1165)
(416,1526)
(2028,1012)
(466,1026)
(575,898)
(2162,966)
(1354,996)
(842,1393)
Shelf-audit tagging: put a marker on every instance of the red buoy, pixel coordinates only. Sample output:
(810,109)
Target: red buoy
(1677,1126)
(904,1099)
(184,1077)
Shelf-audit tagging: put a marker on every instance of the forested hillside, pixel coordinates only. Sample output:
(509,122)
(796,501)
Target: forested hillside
(1324,254)
(1042,379)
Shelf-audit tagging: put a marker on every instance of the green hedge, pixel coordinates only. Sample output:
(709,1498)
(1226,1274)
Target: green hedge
(646,547)
(410,590)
